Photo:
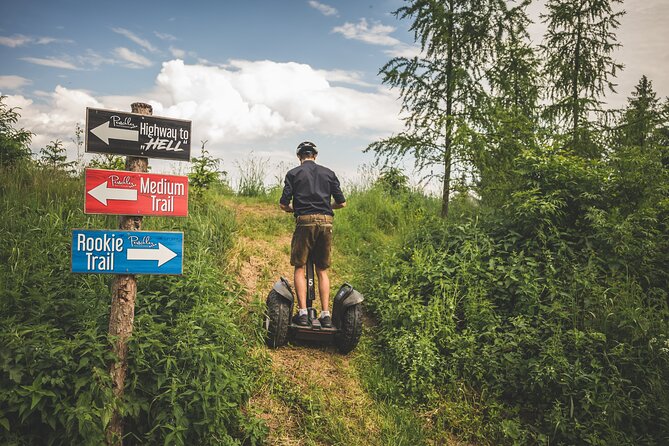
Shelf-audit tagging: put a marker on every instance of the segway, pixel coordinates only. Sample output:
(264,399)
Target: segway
(346,316)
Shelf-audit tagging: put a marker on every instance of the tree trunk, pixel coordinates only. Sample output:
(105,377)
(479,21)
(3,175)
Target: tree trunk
(574,84)
(122,313)
(446,191)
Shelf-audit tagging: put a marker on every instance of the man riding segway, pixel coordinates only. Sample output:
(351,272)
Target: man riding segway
(311,188)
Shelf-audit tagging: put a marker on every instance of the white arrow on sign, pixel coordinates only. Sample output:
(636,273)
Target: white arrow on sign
(163,254)
(102,193)
(105,133)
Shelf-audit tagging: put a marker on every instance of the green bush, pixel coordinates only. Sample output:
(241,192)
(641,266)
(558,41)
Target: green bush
(189,369)
(545,322)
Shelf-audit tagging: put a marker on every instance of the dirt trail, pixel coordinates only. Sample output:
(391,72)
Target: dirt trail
(307,381)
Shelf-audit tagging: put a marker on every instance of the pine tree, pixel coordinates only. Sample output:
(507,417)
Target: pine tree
(204,171)
(639,175)
(642,116)
(579,68)
(509,122)
(54,156)
(441,89)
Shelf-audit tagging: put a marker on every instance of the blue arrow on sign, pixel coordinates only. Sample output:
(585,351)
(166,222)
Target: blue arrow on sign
(127,252)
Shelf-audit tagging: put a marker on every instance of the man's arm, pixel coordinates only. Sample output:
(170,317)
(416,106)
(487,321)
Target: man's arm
(335,189)
(286,195)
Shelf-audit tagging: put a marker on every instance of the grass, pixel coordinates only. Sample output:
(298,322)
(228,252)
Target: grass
(190,370)
(206,323)
(310,394)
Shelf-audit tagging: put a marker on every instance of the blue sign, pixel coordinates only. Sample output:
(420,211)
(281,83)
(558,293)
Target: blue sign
(127,252)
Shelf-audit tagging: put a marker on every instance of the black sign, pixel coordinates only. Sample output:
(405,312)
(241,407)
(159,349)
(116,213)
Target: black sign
(121,133)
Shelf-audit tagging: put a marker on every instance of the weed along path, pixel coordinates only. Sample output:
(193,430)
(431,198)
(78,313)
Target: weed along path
(310,394)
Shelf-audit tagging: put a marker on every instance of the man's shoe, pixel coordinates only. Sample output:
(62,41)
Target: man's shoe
(301,320)
(326,321)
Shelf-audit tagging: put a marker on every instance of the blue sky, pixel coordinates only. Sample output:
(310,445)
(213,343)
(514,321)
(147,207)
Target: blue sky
(256,76)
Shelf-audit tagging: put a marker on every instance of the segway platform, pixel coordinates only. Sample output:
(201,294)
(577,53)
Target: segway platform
(309,333)
(346,316)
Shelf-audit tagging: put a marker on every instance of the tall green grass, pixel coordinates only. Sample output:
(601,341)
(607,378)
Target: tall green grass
(189,370)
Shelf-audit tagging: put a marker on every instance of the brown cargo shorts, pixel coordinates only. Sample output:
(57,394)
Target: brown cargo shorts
(313,234)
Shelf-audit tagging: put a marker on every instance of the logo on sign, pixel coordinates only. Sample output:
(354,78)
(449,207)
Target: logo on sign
(124,123)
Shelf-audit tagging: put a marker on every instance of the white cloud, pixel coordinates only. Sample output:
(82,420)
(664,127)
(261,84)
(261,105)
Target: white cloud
(135,60)
(345,77)
(92,59)
(56,118)
(165,36)
(404,50)
(377,34)
(18,40)
(51,62)
(15,40)
(135,38)
(324,9)
(178,53)
(251,100)
(13,82)
(245,102)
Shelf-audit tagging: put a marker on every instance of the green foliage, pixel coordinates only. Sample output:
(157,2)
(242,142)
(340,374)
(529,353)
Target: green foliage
(204,172)
(107,161)
(441,89)
(579,67)
(640,121)
(393,181)
(252,174)
(14,143)
(545,321)
(190,370)
(54,157)
(373,218)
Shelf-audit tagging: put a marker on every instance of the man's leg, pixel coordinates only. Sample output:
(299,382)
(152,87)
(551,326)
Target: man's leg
(301,286)
(299,251)
(322,249)
(323,288)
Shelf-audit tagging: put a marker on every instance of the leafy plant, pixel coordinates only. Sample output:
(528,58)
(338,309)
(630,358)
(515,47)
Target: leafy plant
(54,157)
(107,161)
(14,143)
(204,171)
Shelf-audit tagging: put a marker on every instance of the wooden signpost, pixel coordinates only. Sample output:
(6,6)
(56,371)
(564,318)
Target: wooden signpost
(132,193)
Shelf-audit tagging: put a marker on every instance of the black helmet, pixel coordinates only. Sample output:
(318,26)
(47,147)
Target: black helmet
(305,147)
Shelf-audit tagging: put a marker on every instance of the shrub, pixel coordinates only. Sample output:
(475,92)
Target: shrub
(189,368)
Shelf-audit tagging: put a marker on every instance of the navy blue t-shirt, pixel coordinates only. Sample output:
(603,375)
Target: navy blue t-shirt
(310,186)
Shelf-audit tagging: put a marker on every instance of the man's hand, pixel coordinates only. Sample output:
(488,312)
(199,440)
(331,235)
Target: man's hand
(336,205)
(286,207)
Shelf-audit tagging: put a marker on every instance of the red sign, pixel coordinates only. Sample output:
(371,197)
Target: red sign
(133,193)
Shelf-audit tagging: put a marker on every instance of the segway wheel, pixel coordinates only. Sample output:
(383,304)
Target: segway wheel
(351,328)
(277,320)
